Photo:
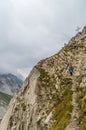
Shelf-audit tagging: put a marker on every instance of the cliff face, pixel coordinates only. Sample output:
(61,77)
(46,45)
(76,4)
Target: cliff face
(50,98)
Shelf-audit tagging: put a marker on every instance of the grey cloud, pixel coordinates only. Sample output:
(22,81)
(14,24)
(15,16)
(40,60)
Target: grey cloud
(36,29)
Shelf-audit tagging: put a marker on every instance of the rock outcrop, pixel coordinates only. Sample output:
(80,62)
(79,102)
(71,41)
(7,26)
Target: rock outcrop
(50,98)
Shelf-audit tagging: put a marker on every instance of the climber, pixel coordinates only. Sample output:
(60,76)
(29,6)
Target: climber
(71,70)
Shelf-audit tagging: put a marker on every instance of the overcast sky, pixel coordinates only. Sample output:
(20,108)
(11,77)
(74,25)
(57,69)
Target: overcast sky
(31,30)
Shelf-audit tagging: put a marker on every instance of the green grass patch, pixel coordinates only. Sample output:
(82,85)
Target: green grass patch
(81,99)
(62,112)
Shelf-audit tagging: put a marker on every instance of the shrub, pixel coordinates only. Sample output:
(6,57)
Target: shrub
(23,107)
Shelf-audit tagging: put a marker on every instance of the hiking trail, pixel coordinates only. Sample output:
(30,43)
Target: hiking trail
(74,124)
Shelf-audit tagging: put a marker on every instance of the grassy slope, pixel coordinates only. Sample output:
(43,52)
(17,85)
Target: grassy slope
(5,97)
(81,99)
(62,112)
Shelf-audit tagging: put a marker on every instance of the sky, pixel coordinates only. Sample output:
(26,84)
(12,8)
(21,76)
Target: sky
(31,30)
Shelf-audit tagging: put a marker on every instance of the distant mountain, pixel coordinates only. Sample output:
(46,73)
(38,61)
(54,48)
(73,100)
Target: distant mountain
(4,101)
(9,83)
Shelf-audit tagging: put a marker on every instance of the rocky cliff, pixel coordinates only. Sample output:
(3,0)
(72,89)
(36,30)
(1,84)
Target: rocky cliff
(50,98)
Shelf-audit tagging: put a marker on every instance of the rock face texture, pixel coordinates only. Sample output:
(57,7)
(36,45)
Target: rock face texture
(50,98)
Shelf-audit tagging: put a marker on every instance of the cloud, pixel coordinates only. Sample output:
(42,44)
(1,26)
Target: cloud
(24,72)
(36,29)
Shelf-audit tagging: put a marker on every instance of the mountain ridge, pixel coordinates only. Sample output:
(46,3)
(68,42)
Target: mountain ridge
(9,83)
(49,97)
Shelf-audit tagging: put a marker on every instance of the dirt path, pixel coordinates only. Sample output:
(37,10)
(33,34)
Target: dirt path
(73,125)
